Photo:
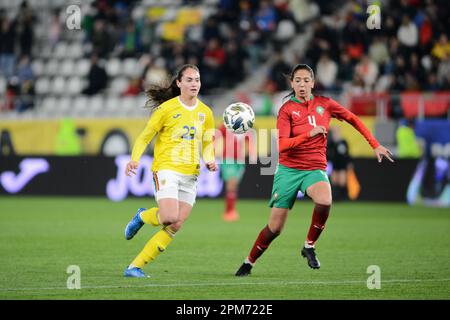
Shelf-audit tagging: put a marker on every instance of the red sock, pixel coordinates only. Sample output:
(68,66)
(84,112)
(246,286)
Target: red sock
(263,241)
(230,200)
(319,217)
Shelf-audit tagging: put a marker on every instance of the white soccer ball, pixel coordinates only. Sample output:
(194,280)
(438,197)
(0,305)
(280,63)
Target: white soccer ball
(238,117)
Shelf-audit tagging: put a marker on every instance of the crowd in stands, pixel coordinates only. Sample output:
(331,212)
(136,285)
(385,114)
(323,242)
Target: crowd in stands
(410,51)
(227,44)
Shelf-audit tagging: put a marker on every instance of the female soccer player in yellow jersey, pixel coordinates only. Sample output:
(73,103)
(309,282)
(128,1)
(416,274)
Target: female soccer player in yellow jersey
(183,126)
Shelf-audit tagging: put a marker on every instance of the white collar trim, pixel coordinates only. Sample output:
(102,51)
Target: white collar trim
(190,108)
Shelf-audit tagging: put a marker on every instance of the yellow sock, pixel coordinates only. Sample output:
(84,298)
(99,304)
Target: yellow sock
(151,216)
(157,244)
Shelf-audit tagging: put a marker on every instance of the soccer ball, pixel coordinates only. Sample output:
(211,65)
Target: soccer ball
(238,117)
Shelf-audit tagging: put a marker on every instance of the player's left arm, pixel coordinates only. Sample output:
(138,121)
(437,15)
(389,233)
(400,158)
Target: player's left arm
(341,113)
(208,152)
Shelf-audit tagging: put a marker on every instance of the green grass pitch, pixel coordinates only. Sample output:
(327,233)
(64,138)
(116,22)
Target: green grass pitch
(42,236)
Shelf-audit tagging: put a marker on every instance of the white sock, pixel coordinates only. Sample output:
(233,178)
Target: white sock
(307,246)
(131,266)
(248,261)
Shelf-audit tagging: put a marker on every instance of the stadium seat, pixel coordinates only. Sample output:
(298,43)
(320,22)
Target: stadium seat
(42,85)
(2,85)
(95,105)
(113,67)
(48,105)
(80,105)
(118,85)
(63,106)
(38,67)
(75,50)
(58,85)
(82,67)
(75,85)
(111,105)
(61,50)
(52,67)
(131,68)
(67,67)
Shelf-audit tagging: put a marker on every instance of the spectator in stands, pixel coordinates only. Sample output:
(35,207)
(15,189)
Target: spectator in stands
(26,22)
(441,49)
(213,62)
(407,34)
(326,72)
(155,72)
(54,31)
(368,71)
(97,77)
(8,36)
(134,88)
(130,43)
(102,41)
(266,17)
(345,70)
(278,71)
(234,64)
(443,72)
(378,51)
(24,70)
(27,94)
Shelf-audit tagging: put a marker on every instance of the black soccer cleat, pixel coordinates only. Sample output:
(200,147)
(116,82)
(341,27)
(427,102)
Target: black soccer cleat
(244,270)
(310,255)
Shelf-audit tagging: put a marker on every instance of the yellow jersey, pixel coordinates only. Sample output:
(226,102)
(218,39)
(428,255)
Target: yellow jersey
(183,132)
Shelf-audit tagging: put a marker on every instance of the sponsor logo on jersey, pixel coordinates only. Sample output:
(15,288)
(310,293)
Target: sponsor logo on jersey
(177,115)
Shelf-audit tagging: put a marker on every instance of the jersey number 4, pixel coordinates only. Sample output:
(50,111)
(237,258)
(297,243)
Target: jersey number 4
(312,121)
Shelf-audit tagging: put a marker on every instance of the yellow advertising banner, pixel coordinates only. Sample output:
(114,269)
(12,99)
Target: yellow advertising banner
(39,137)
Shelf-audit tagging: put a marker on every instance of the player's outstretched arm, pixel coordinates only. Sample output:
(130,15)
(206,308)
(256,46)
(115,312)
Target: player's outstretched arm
(382,152)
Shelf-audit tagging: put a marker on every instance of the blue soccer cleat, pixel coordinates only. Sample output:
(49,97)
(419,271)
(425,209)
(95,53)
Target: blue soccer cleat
(134,273)
(134,225)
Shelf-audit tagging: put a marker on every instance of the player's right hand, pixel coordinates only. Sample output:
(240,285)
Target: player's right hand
(131,168)
(318,130)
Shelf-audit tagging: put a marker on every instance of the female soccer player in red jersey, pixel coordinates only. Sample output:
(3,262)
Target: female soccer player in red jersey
(302,124)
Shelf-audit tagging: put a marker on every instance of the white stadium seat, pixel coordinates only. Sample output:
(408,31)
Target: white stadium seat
(51,67)
(38,67)
(131,68)
(67,67)
(58,85)
(42,85)
(61,50)
(75,85)
(113,67)
(82,67)
(118,85)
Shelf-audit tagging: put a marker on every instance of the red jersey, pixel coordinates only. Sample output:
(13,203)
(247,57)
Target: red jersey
(297,119)
(233,145)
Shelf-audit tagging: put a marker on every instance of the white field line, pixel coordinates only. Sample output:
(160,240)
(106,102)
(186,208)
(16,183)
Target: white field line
(237,283)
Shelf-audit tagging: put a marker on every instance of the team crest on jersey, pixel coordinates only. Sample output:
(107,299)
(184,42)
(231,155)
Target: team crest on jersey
(201,117)
(320,110)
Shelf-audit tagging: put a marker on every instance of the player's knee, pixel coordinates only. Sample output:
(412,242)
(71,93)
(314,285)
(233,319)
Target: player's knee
(168,219)
(325,201)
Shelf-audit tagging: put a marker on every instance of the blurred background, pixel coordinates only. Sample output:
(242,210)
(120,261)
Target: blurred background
(73,76)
